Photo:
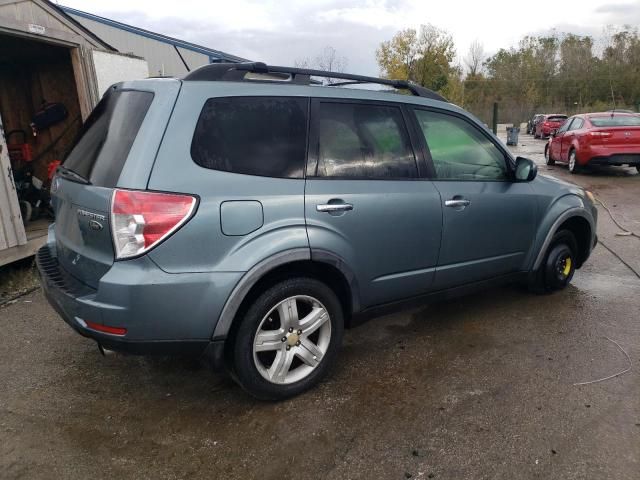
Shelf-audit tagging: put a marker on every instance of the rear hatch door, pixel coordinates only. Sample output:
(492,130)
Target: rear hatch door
(98,163)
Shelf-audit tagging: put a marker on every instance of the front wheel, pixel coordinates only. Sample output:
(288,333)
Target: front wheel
(547,156)
(559,265)
(288,339)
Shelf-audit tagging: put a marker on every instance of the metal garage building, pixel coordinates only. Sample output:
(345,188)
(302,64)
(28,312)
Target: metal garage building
(165,55)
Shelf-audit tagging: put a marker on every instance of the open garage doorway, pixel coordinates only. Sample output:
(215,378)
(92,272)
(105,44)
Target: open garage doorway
(41,116)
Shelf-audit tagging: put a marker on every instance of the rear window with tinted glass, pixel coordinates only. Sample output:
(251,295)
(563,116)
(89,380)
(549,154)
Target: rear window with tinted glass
(106,137)
(616,121)
(557,118)
(264,136)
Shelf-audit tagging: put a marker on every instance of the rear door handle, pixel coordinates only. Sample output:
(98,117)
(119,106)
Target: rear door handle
(334,207)
(457,203)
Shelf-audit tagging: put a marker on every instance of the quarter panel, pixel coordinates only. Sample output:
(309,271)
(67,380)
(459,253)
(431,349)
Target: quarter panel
(200,245)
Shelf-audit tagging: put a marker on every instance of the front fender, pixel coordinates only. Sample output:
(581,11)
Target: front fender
(560,211)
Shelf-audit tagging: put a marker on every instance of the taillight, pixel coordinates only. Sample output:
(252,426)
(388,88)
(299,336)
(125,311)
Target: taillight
(546,124)
(141,220)
(600,134)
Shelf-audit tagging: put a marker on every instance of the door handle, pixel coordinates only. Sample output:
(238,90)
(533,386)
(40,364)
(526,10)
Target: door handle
(334,207)
(457,203)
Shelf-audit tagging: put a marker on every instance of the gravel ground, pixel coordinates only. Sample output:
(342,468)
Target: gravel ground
(481,387)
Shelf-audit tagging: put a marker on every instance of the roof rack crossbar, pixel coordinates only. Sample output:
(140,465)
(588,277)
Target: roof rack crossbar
(302,76)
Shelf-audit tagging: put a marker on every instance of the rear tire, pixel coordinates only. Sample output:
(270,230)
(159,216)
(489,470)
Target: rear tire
(547,156)
(573,162)
(559,264)
(270,368)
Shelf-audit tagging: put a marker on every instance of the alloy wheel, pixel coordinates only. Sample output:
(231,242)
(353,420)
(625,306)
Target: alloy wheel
(292,339)
(572,162)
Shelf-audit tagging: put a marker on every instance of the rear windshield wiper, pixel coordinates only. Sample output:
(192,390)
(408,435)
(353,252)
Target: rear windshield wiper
(71,175)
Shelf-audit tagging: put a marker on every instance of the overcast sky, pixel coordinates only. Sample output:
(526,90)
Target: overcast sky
(282,31)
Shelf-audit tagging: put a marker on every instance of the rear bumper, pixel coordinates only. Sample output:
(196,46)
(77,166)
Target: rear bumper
(631,159)
(162,313)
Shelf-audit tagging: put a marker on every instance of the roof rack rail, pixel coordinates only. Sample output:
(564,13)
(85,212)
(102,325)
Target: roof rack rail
(237,72)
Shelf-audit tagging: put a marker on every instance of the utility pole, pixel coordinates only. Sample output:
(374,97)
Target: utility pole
(495,118)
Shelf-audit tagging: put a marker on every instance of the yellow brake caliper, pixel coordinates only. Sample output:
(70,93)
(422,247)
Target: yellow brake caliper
(567,267)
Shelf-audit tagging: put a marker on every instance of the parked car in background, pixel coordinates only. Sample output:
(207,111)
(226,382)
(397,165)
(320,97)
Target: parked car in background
(246,214)
(531,124)
(605,138)
(548,124)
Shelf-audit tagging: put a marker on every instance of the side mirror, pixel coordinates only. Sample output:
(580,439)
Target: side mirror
(526,170)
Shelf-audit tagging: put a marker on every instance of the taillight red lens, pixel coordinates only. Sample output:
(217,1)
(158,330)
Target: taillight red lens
(546,124)
(600,134)
(141,220)
(107,329)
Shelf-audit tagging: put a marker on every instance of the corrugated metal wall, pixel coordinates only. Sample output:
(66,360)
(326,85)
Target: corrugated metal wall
(161,57)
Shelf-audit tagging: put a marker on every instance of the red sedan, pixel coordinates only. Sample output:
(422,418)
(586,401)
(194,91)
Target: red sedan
(548,124)
(596,139)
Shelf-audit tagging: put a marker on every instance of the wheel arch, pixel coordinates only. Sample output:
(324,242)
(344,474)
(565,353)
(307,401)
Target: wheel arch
(324,266)
(579,223)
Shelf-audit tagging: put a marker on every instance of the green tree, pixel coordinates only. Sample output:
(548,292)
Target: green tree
(424,56)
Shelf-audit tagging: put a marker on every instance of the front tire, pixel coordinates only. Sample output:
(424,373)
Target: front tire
(559,265)
(547,156)
(288,339)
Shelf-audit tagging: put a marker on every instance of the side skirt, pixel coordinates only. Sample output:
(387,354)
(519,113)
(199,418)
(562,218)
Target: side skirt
(439,295)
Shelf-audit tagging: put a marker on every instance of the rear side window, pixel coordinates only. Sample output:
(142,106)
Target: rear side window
(565,126)
(264,136)
(616,121)
(107,136)
(363,141)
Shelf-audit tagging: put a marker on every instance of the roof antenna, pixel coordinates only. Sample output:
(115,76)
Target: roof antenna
(182,58)
(613,97)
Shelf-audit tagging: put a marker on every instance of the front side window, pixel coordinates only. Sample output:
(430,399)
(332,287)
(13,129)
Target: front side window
(264,136)
(459,150)
(565,126)
(576,124)
(363,141)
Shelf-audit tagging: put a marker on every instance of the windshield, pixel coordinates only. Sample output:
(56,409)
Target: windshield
(616,121)
(103,144)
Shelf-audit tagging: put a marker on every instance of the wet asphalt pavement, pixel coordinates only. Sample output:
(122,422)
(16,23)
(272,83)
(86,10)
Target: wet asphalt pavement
(480,387)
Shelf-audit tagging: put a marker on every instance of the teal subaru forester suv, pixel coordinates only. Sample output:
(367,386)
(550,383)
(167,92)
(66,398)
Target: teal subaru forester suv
(249,214)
